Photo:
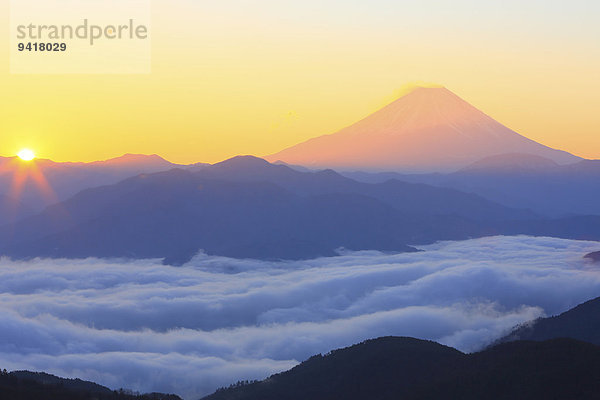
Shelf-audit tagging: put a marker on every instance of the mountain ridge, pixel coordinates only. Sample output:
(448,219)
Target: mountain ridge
(249,208)
(42,182)
(519,181)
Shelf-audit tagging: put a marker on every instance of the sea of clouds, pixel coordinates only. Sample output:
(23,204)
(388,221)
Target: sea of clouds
(191,329)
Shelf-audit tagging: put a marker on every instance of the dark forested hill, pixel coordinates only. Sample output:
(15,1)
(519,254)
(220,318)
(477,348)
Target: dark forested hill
(581,322)
(25,385)
(410,369)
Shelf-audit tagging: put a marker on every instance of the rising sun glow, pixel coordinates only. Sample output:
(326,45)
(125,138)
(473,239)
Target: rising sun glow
(26,155)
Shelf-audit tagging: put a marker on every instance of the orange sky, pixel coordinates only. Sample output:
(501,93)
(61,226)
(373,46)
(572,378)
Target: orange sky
(245,77)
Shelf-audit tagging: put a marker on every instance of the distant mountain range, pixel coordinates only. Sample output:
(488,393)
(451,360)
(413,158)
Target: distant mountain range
(519,181)
(427,130)
(248,208)
(410,369)
(36,185)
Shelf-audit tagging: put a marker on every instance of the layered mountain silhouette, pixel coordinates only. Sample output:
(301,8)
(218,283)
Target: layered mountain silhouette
(581,323)
(429,129)
(406,368)
(248,208)
(520,181)
(27,188)
(414,199)
(26,385)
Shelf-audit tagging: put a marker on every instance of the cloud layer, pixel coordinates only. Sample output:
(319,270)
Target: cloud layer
(191,329)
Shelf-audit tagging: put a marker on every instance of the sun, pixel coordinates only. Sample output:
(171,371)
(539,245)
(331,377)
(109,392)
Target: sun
(26,155)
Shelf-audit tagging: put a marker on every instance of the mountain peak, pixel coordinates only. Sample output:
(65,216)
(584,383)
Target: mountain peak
(243,161)
(132,159)
(429,90)
(428,129)
(420,108)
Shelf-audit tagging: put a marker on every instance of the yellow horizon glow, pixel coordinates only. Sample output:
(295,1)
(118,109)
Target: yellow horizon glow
(255,78)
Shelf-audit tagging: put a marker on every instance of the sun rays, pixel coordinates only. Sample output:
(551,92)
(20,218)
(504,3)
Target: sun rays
(26,169)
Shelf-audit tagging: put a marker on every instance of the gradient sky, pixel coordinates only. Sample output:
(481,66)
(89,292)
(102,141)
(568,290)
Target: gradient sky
(255,76)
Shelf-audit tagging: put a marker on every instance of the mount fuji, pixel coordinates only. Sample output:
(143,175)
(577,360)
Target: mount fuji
(428,129)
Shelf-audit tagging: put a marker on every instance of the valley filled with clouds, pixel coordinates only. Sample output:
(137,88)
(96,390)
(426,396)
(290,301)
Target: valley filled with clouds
(191,329)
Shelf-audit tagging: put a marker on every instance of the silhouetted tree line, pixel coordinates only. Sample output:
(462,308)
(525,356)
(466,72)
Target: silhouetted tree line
(15,387)
(238,384)
(411,369)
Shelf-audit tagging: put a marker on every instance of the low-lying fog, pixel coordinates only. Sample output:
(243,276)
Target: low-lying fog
(191,329)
